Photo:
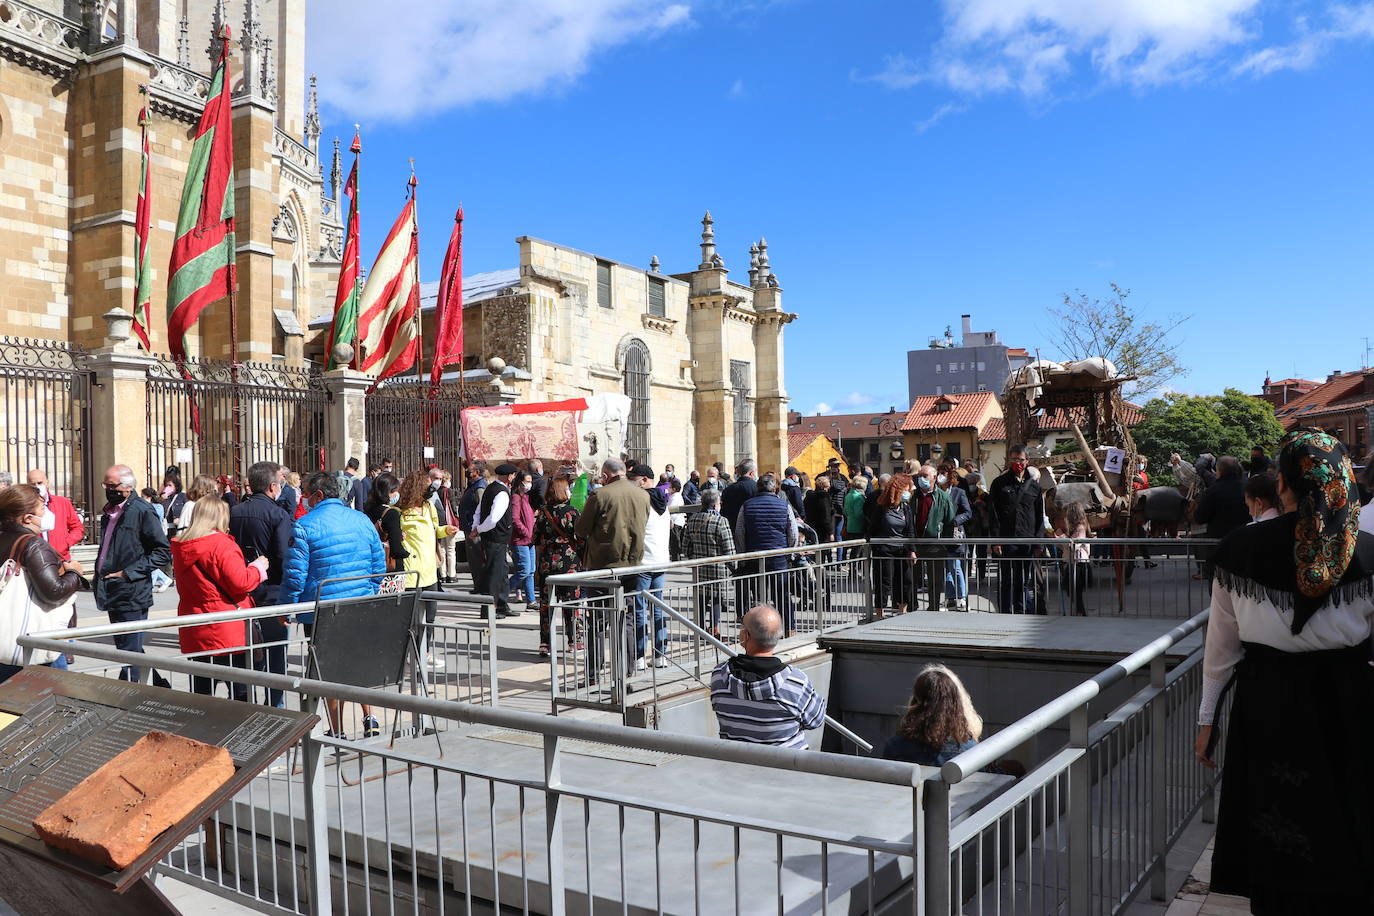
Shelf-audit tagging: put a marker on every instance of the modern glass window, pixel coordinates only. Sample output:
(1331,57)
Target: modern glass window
(636,372)
(603,284)
(658,302)
(939,390)
(953,367)
(939,367)
(982,366)
(740,381)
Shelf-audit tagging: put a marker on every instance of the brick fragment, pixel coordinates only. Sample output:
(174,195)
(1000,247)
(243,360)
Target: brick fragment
(113,815)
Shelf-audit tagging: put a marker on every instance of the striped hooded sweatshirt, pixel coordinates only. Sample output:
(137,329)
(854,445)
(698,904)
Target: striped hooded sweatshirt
(762,700)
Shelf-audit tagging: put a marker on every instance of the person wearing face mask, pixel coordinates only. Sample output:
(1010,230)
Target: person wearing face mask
(890,517)
(956,582)
(612,526)
(522,540)
(61,525)
(381,510)
(51,582)
(1016,510)
(931,513)
(132,544)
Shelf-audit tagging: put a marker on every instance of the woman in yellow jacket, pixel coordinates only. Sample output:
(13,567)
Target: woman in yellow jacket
(421,531)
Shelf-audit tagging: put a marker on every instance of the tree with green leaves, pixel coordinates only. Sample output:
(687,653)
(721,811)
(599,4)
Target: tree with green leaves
(1140,347)
(1227,424)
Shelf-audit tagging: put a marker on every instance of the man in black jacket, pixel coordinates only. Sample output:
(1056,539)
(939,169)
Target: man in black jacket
(1016,510)
(745,488)
(1222,506)
(839,486)
(491,531)
(132,544)
(539,484)
(263,529)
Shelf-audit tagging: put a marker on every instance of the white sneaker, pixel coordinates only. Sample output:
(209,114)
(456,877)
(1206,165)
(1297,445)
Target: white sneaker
(660,661)
(435,663)
(639,664)
(164,586)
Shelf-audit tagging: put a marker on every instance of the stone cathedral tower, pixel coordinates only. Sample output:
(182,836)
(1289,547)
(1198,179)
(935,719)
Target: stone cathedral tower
(74,76)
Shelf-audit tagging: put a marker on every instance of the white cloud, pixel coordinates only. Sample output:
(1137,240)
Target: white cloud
(938,115)
(431,55)
(736,89)
(1345,23)
(1030,46)
(821,409)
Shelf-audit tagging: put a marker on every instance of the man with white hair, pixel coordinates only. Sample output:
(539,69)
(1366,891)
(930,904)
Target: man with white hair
(133,543)
(759,698)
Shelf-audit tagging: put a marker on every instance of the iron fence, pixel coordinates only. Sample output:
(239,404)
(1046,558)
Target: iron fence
(45,417)
(413,429)
(346,826)
(217,417)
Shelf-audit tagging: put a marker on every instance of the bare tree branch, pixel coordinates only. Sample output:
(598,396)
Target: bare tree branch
(1115,330)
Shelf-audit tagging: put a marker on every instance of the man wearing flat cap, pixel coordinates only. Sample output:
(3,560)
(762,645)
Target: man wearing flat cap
(491,530)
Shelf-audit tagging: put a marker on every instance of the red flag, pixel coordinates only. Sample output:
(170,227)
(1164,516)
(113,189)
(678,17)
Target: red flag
(448,341)
(143,274)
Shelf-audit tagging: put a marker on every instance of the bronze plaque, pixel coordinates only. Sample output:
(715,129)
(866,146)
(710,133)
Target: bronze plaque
(58,727)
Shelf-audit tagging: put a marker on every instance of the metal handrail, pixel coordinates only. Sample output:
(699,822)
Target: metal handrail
(580,578)
(844,766)
(706,635)
(1031,724)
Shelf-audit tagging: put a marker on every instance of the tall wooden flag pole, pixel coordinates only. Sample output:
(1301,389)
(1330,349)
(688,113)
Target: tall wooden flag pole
(415,271)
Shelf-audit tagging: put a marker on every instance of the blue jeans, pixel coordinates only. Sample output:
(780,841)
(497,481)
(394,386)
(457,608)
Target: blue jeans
(523,577)
(956,586)
(60,663)
(160,577)
(645,582)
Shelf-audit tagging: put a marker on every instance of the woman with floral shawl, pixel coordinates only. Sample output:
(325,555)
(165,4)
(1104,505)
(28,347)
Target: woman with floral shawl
(1289,635)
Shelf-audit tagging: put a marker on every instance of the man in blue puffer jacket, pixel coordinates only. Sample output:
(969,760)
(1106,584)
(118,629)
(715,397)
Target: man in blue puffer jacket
(332,541)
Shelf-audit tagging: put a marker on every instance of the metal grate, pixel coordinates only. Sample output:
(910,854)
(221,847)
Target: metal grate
(44,416)
(744,409)
(397,413)
(636,372)
(245,413)
(658,305)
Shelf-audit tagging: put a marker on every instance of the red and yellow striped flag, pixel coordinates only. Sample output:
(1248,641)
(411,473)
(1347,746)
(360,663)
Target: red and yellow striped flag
(390,304)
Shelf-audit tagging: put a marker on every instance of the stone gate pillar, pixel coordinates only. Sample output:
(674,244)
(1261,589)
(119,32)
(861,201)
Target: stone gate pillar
(345,426)
(119,407)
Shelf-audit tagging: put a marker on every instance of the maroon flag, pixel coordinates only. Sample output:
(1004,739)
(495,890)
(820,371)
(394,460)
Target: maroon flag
(448,341)
(143,274)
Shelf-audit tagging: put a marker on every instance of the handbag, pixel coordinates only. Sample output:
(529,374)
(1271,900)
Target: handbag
(386,544)
(20,615)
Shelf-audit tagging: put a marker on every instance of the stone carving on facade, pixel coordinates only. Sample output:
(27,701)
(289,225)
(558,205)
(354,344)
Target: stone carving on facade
(284,225)
(331,242)
(655,323)
(177,92)
(39,40)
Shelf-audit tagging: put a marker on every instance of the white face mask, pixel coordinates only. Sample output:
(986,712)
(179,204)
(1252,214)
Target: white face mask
(49,521)
(43,490)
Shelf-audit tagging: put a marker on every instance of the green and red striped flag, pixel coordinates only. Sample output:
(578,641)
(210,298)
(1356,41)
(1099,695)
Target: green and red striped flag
(143,274)
(345,326)
(202,268)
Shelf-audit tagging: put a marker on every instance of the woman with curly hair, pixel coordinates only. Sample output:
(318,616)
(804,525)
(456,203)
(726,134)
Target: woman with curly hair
(940,722)
(420,533)
(1292,613)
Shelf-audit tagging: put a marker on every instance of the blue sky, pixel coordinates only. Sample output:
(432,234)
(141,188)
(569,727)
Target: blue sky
(907,162)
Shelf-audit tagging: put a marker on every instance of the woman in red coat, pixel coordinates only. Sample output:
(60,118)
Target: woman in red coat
(211,576)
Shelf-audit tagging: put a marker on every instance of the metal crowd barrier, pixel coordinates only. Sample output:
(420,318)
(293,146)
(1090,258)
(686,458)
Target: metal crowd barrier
(614,636)
(347,826)
(1085,830)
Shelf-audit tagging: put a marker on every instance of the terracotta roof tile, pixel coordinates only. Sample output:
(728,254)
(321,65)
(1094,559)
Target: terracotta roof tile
(854,425)
(995,431)
(1348,391)
(964,411)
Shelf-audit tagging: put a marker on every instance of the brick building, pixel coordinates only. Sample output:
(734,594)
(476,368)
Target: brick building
(76,74)
(1343,405)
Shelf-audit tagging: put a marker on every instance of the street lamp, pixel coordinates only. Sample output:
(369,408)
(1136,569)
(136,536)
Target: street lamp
(936,451)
